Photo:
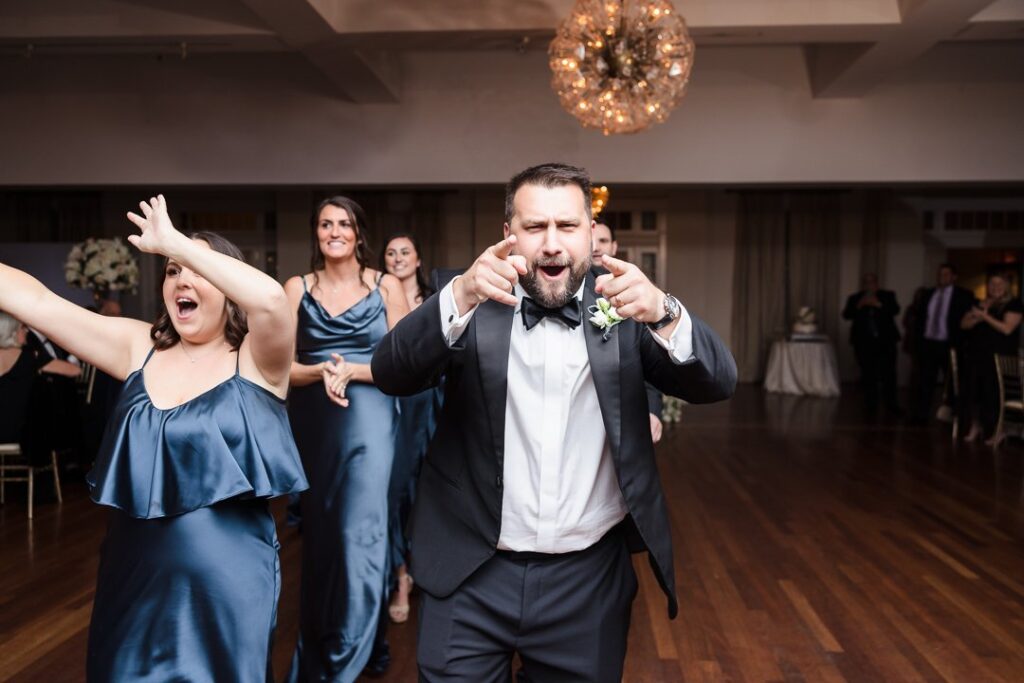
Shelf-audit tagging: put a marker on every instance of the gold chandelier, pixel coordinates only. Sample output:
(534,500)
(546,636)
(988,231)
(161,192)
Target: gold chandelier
(598,200)
(621,65)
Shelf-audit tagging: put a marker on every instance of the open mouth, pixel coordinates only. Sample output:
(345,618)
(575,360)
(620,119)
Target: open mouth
(553,272)
(186,306)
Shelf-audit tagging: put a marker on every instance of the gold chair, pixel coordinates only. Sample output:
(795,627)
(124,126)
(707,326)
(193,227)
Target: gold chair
(951,392)
(12,451)
(1009,372)
(86,380)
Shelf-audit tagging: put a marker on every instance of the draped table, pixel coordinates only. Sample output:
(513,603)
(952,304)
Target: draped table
(805,368)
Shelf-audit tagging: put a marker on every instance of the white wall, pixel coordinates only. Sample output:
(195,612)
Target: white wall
(478,117)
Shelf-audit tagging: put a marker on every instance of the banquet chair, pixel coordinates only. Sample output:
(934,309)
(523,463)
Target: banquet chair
(951,393)
(1009,373)
(22,470)
(86,381)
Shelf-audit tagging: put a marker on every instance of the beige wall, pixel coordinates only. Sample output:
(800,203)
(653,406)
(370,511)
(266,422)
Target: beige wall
(466,121)
(477,117)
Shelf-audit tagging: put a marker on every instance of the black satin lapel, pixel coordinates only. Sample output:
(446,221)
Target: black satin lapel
(604,366)
(493,338)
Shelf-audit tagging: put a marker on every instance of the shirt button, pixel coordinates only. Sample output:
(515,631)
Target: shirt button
(451,318)
(498,481)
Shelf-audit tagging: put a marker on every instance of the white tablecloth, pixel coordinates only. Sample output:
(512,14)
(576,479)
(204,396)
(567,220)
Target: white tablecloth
(803,368)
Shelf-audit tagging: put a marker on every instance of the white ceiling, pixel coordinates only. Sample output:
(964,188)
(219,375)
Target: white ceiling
(850,45)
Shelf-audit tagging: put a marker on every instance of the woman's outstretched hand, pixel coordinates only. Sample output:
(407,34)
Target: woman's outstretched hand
(158,234)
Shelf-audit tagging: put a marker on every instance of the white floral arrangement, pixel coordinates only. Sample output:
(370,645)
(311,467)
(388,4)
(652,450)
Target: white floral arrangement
(104,265)
(671,409)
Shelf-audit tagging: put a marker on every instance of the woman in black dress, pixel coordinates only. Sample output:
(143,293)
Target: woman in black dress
(993,328)
(20,368)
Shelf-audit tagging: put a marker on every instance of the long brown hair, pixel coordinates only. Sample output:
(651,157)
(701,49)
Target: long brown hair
(421,279)
(358,216)
(164,335)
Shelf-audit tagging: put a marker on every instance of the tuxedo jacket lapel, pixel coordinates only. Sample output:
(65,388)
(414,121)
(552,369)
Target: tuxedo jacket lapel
(493,324)
(604,367)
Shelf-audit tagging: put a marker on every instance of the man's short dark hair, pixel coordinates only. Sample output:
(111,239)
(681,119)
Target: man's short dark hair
(547,175)
(611,230)
(950,266)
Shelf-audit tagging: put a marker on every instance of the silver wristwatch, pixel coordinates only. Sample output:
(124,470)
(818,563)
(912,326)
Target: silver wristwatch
(673,309)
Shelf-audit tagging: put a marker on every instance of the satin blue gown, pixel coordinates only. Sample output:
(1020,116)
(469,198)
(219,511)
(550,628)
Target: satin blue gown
(347,454)
(417,419)
(189,573)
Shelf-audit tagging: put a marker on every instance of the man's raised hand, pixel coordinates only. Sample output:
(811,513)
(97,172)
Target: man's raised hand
(492,276)
(627,289)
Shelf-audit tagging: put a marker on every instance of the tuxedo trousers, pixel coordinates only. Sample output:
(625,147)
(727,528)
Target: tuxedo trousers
(566,615)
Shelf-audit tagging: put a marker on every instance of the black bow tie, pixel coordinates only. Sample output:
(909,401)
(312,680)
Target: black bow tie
(569,313)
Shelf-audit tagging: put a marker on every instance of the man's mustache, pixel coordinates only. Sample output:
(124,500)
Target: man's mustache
(539,263)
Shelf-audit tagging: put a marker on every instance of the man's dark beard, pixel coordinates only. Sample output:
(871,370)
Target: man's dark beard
(535,290)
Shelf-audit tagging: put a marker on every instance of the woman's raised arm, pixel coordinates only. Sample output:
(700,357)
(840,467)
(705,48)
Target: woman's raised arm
(271,339)
(114,345)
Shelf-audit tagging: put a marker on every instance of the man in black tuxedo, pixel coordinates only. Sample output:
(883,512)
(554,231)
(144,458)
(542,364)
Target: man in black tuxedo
(541,475)
(937,331)
(605,243)
(875,337)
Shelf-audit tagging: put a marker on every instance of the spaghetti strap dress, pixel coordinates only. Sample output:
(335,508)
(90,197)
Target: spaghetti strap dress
(189,574)
(347,454)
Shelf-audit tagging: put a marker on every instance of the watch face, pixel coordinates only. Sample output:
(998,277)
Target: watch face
(672,306)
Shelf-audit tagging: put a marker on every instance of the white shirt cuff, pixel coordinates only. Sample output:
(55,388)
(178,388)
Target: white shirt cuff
(680,343)
(452,326)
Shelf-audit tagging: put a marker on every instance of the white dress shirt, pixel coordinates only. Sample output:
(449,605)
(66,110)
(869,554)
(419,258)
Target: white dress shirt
(936,327)
(560,493)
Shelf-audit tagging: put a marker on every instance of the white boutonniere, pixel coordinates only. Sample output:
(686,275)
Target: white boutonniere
(603,316)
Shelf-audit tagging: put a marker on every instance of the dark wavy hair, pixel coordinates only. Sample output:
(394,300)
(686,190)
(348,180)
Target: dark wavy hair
(424,287)
(164,335)
(363,252)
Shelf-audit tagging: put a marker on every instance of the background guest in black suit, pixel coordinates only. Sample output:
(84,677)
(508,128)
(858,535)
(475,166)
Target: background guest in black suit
(605,243)
(938,331)
(992,327)
(874,337)
(55,416)
(24,369)
(541,475)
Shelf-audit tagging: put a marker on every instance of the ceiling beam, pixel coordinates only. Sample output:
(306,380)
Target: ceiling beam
(306,26)
(853,70)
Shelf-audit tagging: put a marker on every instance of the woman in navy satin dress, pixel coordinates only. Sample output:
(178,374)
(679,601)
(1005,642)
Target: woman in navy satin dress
(344,428)
(189,573)
(417,418)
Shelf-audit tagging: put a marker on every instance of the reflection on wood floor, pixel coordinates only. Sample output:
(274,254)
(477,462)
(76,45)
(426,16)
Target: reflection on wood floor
(810,545)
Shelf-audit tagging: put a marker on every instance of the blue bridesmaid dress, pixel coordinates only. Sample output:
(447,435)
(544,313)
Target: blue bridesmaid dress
(347,454)
(417,420)
(189,573)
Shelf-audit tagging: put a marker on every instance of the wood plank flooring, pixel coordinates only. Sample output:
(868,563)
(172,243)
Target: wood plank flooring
(811,545)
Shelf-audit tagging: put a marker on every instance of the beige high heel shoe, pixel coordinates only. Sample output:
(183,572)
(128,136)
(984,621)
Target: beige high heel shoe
(996,439)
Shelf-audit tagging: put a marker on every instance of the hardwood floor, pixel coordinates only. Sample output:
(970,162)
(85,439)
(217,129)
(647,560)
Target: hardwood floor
(810,546)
